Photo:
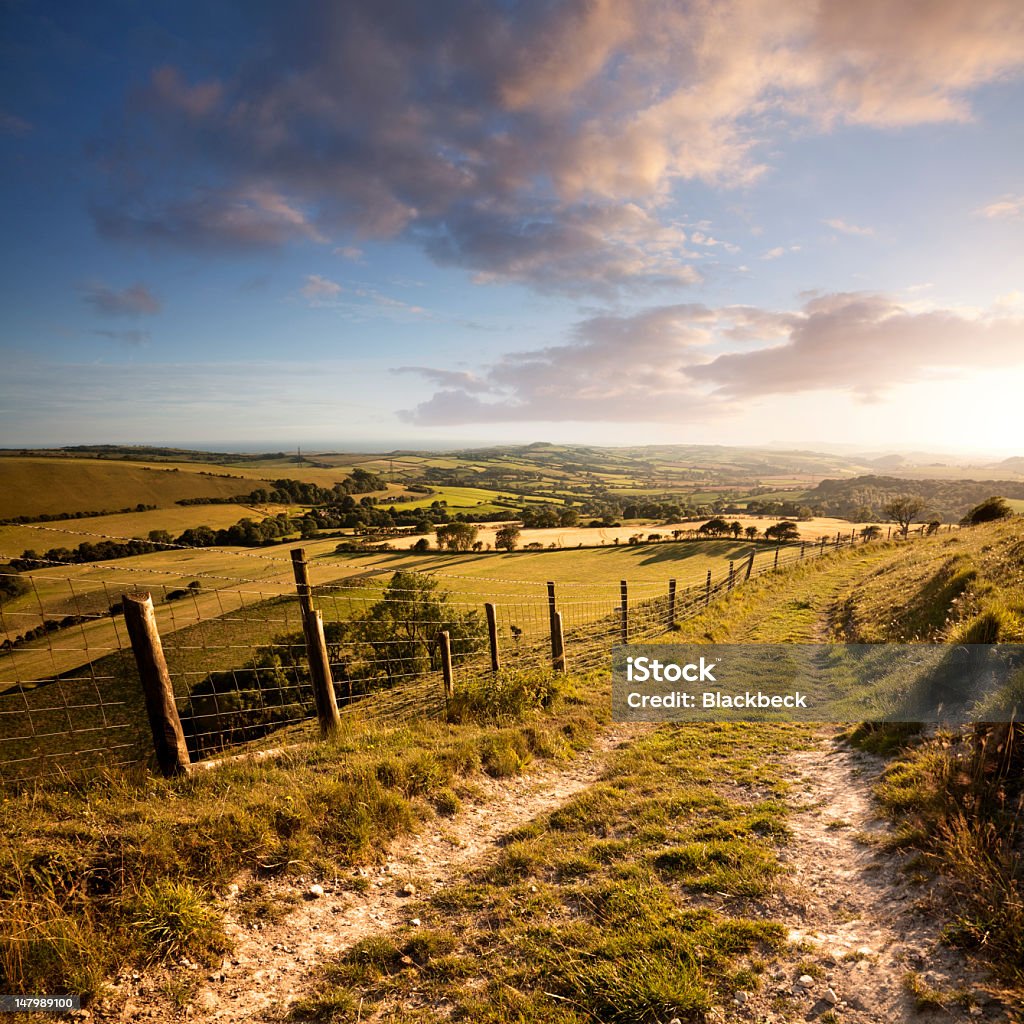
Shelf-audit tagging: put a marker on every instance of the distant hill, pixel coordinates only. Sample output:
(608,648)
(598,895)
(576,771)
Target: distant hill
(949,499)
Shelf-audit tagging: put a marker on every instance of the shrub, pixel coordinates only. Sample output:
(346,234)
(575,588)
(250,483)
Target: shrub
(990,509)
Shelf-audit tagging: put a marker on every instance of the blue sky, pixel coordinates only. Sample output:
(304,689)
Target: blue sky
(605,222)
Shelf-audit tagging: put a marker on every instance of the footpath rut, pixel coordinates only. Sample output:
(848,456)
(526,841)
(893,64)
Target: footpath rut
(860,921)
(272,966)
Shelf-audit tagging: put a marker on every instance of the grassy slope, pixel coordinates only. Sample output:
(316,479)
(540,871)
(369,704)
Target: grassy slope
(175,519)
(30,487)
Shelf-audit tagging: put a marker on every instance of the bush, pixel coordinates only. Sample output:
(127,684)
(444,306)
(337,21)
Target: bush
(506,697)
(987,511)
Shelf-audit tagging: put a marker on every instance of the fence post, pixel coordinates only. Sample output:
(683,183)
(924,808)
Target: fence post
(557,643)
(732,573)
(750,566)
(492,635)
(316,650)
(320,674)
(707,590)
(446,664)
(775,566)
(624,598)
(168,737)
(671,604)
(802,543)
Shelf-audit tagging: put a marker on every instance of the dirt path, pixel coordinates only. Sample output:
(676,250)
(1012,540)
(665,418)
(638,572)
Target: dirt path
(862,921)
(273,965)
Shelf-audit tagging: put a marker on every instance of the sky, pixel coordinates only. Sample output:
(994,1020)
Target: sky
(383,223)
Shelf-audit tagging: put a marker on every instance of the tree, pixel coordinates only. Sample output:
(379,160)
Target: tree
(456,536)
(397,637)
(716,527)
(871,532)
(782,531)
(11,584)
(736,528)
(421,545)
(751,532)
(904,510)
(507,537)
(987,511)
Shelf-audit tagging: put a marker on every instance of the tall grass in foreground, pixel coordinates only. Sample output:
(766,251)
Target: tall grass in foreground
(961,799)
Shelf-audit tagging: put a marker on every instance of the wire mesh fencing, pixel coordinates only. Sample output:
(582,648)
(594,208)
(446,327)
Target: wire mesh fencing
(241,653)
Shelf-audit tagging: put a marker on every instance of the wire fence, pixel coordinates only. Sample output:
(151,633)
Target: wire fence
(241,653)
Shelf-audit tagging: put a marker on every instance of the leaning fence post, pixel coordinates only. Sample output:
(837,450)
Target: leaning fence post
(316,650)
(492,635)
(750,566)
(671,604)
(320,673)
(557,643)
(168,737)
(624,599)
(707,590)
(446,664)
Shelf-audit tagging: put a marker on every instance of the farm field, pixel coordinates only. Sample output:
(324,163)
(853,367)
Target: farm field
(174,518)
(37,486)
(586,536)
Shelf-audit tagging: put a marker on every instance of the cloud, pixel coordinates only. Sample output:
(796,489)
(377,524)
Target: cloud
(238,218)
(658,365)
(1008,207)
(136,300)
(461,379)
(318,288)
(509,139)
(350,252)
(779,250)
(137,339)
(848,229)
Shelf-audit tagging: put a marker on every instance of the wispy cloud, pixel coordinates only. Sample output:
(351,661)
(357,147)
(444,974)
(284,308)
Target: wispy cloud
(318,288)
(779,250)
(137,339)
(1008,207)
(133,301)
(845,228)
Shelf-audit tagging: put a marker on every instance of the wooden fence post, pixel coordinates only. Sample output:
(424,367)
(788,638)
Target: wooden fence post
(557,643)
(316,650)
(671,604)
(168,737)
(446,664)
(802,543)
(624,598)
(775,567)
(492,636)
(552,607)
(750,566)
(732,573)
(707,590)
